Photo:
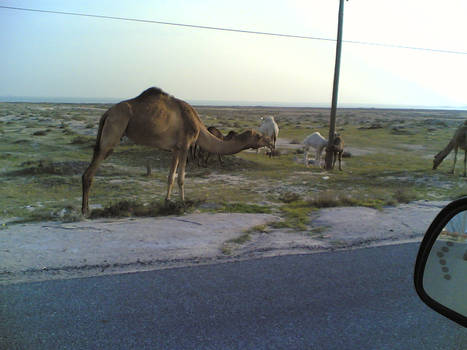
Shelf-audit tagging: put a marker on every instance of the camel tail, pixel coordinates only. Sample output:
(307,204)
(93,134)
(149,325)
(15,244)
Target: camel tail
(99,131)
(99,135)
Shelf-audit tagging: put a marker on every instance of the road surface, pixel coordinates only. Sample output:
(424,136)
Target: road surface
(355,299)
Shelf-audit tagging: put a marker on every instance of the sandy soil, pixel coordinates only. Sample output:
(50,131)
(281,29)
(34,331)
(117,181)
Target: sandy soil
(54,250)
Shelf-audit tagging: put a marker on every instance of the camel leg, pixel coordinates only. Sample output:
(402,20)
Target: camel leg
(87,180)
(319,151)
(196,151)
(340,159)
(172,172)
(455,158)
(108,137)
(181,174)
(219,157)
(192,151)
(465,161)
(206,158)
(273,146)
(201,157)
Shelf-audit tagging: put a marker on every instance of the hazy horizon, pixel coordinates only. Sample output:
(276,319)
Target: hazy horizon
(220,103)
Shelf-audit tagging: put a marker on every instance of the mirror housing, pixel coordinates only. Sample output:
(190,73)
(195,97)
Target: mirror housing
(440,274)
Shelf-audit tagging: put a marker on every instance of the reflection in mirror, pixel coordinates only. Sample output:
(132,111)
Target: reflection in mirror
(445,275)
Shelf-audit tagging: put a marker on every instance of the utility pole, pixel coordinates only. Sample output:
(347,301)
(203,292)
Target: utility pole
(335,88)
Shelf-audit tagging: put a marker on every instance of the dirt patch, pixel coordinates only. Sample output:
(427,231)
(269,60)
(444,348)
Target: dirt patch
(53,250)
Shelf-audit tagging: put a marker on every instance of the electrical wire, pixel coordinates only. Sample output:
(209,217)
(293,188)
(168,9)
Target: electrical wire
(244,31)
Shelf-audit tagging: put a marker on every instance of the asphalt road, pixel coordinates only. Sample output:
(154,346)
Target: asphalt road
(360,299)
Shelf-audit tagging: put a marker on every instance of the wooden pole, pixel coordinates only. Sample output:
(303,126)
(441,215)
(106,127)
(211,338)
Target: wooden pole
(335,88)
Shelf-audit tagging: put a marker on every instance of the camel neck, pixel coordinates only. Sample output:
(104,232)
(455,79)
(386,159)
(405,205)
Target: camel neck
(212,144)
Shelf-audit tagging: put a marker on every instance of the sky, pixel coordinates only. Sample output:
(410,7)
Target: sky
(57,56)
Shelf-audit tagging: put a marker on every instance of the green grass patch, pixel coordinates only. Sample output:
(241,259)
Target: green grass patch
(241,239)
(243,208)
(259,229)
(296,216)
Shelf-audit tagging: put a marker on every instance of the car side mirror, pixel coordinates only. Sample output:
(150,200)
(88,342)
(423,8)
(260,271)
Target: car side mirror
(441,268)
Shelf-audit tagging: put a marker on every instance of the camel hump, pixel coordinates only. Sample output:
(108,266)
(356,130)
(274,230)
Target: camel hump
(191,120)
(151,92)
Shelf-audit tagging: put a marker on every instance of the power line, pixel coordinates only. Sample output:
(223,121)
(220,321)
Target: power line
(167,23)
(244,31)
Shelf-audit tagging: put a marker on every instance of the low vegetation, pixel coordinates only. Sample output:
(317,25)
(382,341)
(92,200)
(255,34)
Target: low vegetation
(44,149)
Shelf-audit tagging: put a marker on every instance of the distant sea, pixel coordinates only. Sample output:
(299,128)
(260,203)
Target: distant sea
(85,100)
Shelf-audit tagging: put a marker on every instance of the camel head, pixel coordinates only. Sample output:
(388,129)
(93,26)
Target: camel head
(256,140)
(438,158)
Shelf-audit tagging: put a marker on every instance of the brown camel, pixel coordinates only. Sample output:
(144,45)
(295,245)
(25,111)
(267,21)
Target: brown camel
(157,119)
(337,148)
(459,140)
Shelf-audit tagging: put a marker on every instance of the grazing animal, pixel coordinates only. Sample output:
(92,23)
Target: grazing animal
(156,119)
(337,148)
(459,140)
(269,128)
(317,142)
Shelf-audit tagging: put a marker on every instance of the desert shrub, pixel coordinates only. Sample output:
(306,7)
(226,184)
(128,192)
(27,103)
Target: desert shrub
(405,195)
(41,132)
(68,131)
(289,197)
(82,140)
(53,168)
(331,199)
(135,208)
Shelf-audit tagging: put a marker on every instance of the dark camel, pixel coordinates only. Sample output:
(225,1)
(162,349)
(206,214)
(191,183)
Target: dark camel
(459,140)
(337,149)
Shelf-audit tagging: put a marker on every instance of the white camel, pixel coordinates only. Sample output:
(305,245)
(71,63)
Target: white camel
(317,142)
(269,128)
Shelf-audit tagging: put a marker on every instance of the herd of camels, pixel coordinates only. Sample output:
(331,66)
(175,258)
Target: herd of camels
(157,119)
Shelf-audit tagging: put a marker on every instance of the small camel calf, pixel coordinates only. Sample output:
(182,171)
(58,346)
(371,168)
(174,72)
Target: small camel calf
(337,148)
